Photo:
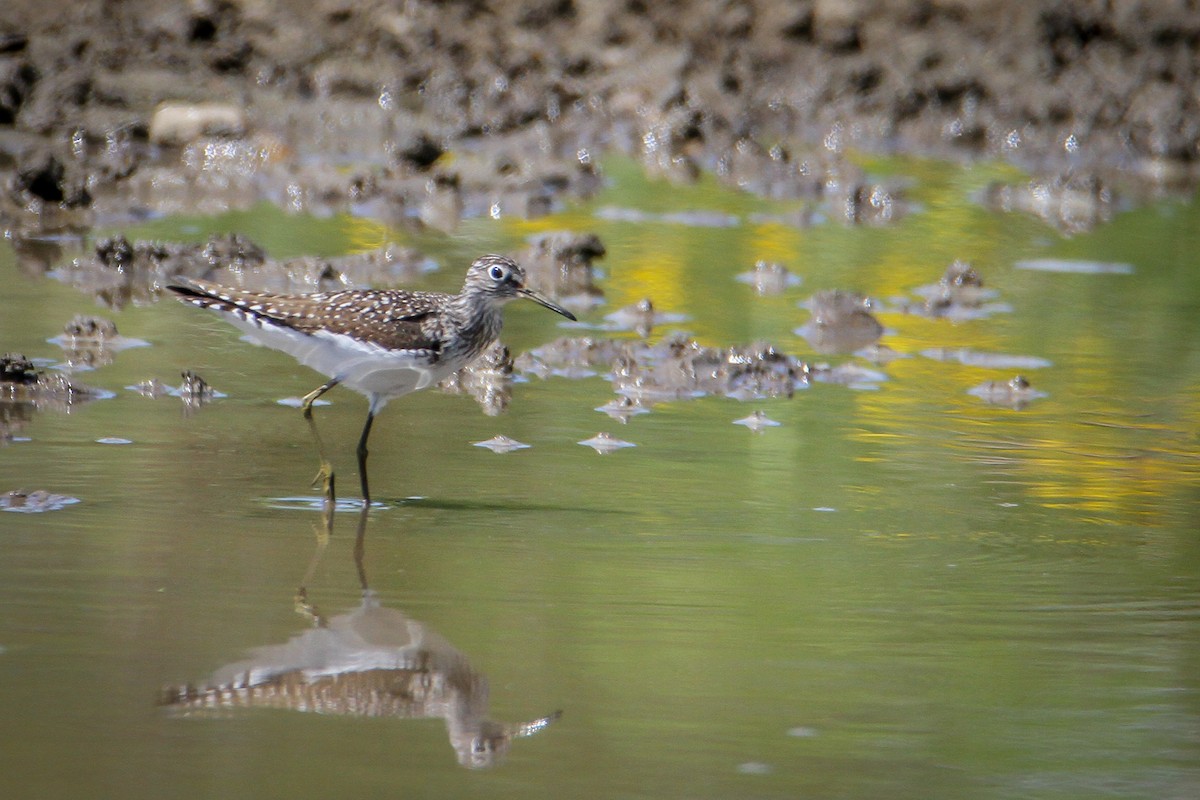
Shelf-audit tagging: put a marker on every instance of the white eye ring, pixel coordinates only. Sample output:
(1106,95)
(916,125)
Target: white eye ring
(497,273)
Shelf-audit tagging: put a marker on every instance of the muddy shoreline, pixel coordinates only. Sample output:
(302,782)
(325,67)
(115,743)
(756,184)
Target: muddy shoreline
(418,113)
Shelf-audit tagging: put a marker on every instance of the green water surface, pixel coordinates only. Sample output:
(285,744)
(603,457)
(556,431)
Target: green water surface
(899,593)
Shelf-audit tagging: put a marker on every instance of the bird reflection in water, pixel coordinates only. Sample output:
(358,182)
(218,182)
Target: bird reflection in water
(370,662)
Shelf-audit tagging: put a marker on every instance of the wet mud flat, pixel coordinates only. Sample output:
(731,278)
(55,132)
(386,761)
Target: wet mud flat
(419,113)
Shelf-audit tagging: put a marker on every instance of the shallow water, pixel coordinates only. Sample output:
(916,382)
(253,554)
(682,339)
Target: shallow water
(901,591)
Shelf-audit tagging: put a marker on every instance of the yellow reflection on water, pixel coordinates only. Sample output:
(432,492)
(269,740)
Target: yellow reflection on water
(364,235)
(654,269)
(1089,447)
(1085,451)
(775,242)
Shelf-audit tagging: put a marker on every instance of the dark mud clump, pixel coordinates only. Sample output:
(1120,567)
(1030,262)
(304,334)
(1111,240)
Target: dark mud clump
(22,382)
(17,370)
(25,389)
(420,113)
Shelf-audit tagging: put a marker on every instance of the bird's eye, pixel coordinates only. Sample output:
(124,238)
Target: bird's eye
(497,273)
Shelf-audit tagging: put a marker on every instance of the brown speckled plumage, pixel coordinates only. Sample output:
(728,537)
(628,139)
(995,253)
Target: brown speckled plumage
(395,320)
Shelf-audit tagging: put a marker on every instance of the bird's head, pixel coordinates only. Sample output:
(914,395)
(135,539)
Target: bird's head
(501,279)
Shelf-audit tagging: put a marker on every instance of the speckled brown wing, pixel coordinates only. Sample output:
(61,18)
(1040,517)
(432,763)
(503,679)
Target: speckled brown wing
(393,319)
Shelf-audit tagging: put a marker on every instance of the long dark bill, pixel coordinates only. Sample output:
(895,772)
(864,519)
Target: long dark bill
(542,301)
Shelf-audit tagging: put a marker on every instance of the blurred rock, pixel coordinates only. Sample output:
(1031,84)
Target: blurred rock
(560,265)
(841,322)
(1016,394)
(179,123)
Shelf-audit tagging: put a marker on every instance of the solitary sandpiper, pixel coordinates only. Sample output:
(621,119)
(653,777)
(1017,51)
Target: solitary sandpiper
(382,343)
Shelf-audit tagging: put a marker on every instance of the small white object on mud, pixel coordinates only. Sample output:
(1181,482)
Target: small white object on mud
(501,444)
(604,443)
(757,422)
(180,123)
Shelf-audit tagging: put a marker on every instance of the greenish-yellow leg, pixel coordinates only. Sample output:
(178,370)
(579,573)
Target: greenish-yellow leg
(325,473)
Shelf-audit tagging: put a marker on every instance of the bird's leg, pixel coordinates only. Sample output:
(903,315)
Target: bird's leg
(325,473)
(362,459)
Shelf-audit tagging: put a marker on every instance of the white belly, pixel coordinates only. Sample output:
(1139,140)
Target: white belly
(378,373)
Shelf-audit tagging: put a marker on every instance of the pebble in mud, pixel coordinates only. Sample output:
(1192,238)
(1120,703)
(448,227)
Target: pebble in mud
(604,443)
(621,408)
(757,422)
(501,444)
(1016,393)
